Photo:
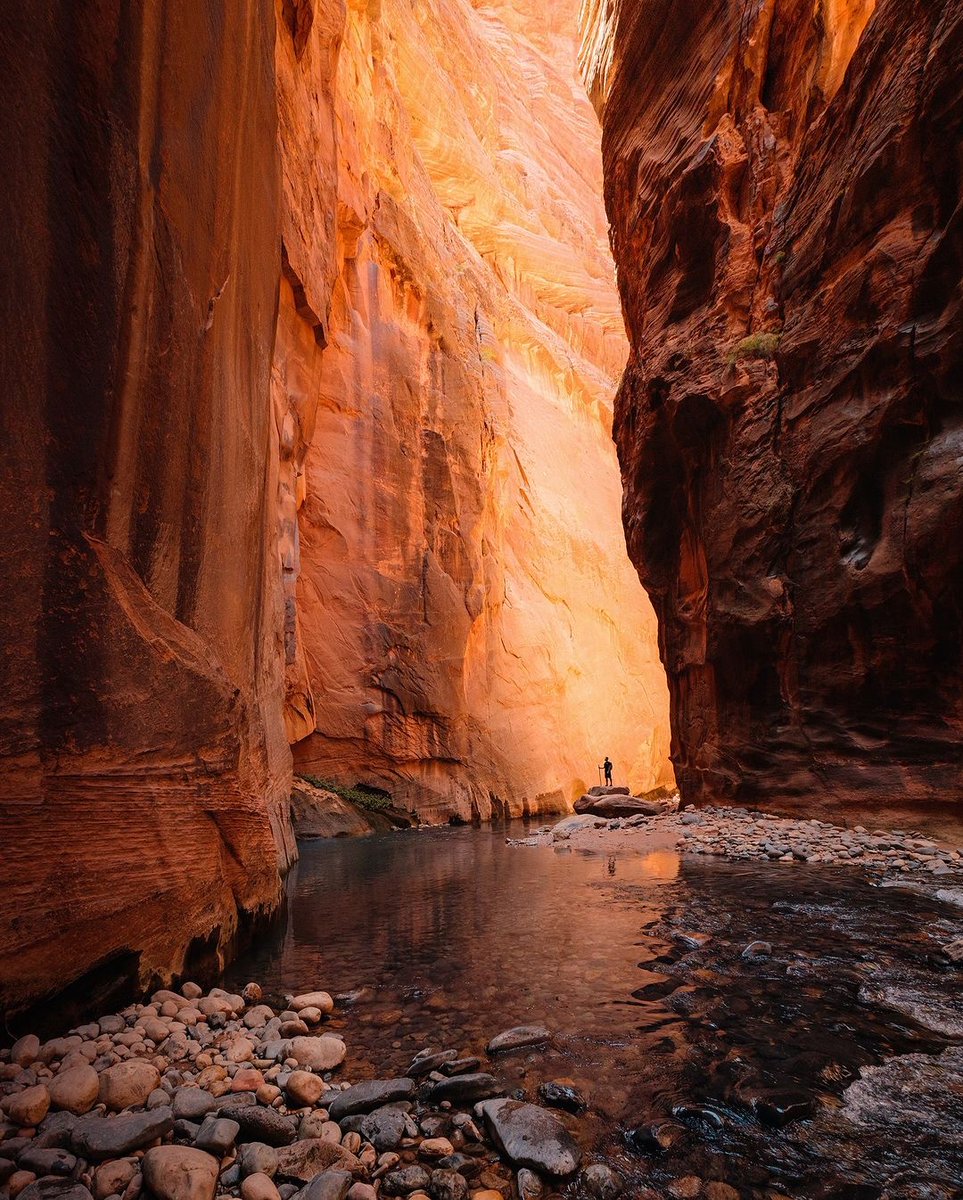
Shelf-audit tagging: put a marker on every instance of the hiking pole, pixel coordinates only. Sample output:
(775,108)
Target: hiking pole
(600,776)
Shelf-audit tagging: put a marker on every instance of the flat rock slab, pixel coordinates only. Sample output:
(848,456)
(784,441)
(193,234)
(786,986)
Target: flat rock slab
(465,1089)
(303,1160)
(617,806)
(430,1060)
(608,789)
(329,1185)
(112,1137)
(372,1094)
(532,1137)
(520,1038)
(56,1189)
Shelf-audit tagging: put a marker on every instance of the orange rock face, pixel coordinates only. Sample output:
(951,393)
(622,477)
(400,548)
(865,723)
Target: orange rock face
(473,636)
(784,190)
(308,357)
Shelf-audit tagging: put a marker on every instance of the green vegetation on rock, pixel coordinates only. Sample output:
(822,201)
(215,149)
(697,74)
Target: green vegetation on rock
(371,799)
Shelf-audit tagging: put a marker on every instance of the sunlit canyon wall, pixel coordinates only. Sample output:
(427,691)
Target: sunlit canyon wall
(468,631)
(308,349)
(783,181)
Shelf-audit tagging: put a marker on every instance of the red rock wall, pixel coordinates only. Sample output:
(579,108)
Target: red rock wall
(145,772)
(794,503)
(469,621)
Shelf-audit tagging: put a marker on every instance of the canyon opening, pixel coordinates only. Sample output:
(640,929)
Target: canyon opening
(482,600)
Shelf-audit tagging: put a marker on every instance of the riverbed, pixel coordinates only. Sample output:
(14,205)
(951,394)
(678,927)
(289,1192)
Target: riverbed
(824,1063)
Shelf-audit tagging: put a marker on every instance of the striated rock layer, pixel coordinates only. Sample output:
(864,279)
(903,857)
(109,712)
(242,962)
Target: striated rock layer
(307,360)
(468,633)
(783,182)
(144,770)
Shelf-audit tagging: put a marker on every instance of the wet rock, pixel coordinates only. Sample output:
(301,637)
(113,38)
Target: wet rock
(217,1135)
(329,1185)
(362,1191)
(405,1180)
(262,1124)
(53,1189)
(601,1182)
(430,1060)
(437,1148)
(97,1138)
(531,1137)
(519,1038)
(447,1185)
(192,1104)
(257,1158)
(384,1128)
(47,1162)
(373,1093)
(465,1089)
(55,1130)
(657,1138)
(758,950)
(321,1054)
(778,1108)
(180,1173)
(75,1090)
(562,1095)
(529,1185)
(617,806)
(460,1066)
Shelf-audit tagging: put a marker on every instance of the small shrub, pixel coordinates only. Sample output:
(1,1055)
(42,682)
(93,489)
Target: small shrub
(756,345)
(372,799)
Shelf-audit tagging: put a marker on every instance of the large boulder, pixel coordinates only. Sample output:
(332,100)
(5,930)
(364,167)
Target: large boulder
(531,1137)
(621,805)
(180,1173)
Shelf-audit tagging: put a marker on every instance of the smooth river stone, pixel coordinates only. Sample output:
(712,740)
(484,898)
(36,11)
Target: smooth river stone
(180,1173)
(322,1053)
(112,1137)
(371,1094)
(519,1038)
(532,1137)
(465,1089)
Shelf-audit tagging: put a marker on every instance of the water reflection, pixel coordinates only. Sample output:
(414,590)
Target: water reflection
(635,963)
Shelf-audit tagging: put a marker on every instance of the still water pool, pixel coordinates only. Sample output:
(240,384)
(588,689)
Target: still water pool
(832,1067)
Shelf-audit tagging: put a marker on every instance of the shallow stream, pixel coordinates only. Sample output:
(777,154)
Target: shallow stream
(850,1031)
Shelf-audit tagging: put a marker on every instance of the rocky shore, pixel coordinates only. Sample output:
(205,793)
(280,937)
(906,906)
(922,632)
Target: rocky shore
(196,1096)
(744,834)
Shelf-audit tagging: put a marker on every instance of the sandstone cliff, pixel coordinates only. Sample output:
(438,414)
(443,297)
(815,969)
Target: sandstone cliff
(469,633)
(783,183)
(145,771)
(308,354)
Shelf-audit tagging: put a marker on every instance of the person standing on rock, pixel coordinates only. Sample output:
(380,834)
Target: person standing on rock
(607,767)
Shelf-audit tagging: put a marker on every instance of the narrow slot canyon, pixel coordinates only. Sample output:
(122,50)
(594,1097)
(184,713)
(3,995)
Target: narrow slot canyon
(482,600)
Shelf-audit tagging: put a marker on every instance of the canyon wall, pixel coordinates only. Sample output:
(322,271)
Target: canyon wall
(144,769)
(469,634)
(783,182)
(309,346)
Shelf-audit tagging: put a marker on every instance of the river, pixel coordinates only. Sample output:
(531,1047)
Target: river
(849,1031)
